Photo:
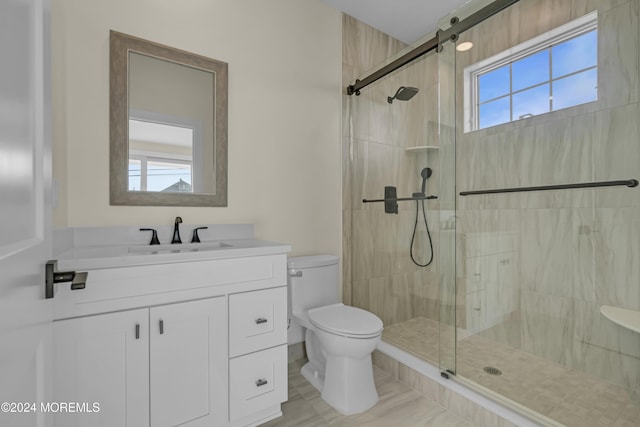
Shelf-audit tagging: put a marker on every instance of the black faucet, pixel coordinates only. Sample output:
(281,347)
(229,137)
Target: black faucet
(154,236)
(176,231)
(196,238)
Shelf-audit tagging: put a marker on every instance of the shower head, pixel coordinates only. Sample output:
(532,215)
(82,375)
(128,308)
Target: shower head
(425,174)
(404,93)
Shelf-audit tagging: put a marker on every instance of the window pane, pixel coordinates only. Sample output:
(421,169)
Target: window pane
(494,113)
(531,102)
(575,90)
(169,177)
(494,83)
(530,71)
(575,54)
(134,175)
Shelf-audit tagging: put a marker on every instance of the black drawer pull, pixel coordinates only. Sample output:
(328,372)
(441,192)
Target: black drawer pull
(261,382)
(161,325)
(260,320)
(137,331)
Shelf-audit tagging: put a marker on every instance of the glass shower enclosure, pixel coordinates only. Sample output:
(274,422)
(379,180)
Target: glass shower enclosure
(518,301)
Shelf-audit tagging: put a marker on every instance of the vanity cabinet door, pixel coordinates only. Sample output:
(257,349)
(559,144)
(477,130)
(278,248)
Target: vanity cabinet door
(103,360)
(189,365)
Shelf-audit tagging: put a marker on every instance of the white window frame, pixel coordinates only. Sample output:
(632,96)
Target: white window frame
(144,159)
(197,158)
(544,41)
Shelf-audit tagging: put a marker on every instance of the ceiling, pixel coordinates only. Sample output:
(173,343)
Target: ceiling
(405,20)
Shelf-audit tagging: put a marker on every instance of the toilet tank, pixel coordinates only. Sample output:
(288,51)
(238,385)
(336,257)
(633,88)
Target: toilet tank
(313,282)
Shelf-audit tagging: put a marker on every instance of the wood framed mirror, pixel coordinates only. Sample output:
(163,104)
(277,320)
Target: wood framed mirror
(168,125)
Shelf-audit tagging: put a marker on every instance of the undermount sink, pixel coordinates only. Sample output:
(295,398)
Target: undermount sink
(178,248)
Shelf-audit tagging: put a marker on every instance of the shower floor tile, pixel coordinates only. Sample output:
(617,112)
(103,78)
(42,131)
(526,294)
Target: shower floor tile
(564,395)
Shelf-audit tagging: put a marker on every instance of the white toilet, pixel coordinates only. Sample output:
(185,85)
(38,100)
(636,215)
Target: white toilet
(339,339)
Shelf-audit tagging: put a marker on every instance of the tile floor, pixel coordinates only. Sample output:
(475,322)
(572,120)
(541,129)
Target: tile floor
(399,406)
(564,395)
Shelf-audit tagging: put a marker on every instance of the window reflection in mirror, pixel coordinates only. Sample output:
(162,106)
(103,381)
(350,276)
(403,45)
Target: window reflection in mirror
(170,110)
(160,157)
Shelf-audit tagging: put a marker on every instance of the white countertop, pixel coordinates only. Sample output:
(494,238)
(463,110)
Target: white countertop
(113,256)
(629,319)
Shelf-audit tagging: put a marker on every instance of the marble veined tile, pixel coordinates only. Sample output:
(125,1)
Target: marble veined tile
(618,52)
(358,155)
(617,250)
(382,163)
(359,107)
(605,349)
(584,238)
(616,154)
(487,162)
(582,7)
(552,153)
(615,142)
(492,36)
(364,47)
(363,244)
(547,251)
(381,112)
(547,326)
(540,16)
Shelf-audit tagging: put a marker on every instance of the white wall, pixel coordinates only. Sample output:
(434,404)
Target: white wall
(284,111)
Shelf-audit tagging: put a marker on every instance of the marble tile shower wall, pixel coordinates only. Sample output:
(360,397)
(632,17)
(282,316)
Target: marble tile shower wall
(573,250)
(378,272)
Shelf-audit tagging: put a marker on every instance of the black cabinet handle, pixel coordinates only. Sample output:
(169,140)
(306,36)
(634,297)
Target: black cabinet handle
(137,331)
(261,382)
(260,320)
(161,325)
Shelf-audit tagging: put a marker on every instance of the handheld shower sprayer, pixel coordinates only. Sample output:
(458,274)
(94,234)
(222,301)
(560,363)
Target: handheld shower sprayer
(425,174)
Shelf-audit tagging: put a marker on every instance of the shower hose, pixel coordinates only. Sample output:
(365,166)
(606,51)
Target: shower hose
(415,229)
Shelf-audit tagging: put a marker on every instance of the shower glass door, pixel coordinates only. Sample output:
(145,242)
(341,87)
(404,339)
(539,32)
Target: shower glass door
(545,93)
(395,258)
(445,69)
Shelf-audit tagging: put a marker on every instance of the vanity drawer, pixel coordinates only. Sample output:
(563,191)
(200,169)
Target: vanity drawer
(257,381)
(257,320)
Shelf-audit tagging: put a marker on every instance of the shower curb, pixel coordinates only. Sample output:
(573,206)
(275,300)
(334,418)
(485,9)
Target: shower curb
(455,385)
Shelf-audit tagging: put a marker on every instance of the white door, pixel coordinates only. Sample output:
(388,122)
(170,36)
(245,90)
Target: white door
(102,362)
(25,211)
(188,354)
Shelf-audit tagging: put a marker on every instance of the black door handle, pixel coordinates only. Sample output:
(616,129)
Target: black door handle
(51,276)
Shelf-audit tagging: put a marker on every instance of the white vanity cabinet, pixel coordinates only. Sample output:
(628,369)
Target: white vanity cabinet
(187,375)
(161,366)
(257,345)
(199,343)
(99,359)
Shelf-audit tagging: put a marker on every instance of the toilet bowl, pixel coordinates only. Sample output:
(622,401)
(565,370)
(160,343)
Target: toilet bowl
(339,339)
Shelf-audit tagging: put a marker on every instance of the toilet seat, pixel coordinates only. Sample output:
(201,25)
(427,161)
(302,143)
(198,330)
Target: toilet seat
(346,321)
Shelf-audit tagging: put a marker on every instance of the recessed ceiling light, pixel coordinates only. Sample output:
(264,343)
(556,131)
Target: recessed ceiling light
(464,46)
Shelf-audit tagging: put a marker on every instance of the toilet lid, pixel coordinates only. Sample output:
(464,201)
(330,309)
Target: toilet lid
(344,320)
